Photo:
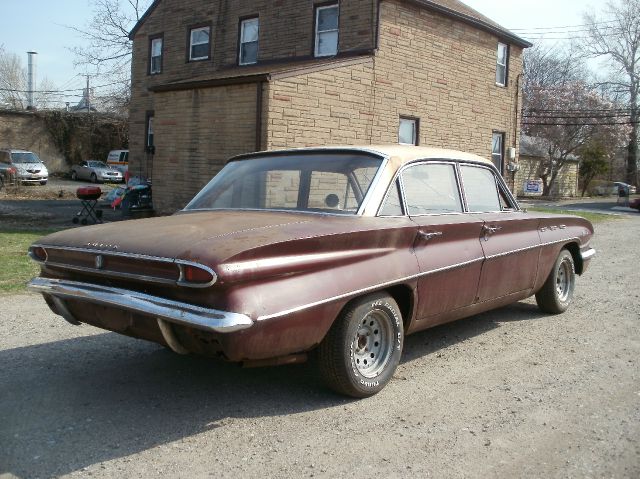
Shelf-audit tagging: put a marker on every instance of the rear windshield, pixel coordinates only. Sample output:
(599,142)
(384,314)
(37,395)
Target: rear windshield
(323,182)
(24,157)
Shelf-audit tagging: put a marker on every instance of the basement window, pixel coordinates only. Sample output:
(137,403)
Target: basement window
(326,34)
(408,131)
(502,64)
(199,43)
(248,50)
(497,150)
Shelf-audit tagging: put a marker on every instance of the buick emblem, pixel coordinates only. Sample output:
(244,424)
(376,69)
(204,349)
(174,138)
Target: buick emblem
(99,261)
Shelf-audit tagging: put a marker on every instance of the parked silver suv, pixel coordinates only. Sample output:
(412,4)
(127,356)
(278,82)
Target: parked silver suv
(30,168)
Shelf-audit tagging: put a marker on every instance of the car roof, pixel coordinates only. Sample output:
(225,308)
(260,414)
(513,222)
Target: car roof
(399,155)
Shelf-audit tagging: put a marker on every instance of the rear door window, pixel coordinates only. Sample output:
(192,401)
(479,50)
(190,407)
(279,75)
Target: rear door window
(431,188)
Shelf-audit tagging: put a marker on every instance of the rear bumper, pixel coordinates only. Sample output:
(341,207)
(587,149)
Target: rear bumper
(176,312)
(587,254)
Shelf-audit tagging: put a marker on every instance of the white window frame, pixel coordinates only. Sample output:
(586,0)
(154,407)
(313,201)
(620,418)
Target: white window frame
(501,80)
(318,32)
(158,67)
(150,136)
(414,135)
(499,135)
(192,44)
(243,23)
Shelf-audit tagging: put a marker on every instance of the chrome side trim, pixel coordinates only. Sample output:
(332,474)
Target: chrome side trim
(176,312)
(170,337)
(180,263)
(400,280)
(367,289)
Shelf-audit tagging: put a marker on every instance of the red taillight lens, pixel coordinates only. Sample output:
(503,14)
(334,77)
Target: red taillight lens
(39,253)
(193,274)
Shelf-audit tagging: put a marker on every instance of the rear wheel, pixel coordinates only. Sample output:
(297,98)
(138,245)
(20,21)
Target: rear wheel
(557,292)
(94,178)
(74,176)
(362,349)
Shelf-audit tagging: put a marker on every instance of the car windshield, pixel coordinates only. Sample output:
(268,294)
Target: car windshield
(24,157)
(97,164)
(316,181)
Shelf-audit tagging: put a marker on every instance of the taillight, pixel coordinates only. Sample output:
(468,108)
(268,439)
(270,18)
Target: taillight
(195,276)
(38,253)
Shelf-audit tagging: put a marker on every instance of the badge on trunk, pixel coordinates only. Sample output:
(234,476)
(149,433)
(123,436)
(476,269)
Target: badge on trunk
(99,261)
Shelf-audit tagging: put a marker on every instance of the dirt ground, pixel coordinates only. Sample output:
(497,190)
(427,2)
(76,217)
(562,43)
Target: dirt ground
(509,393)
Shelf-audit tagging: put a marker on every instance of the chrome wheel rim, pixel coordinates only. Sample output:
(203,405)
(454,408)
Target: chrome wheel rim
(371,347)
(564,282)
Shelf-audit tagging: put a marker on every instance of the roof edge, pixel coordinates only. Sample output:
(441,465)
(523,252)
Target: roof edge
(142,19)
(500,32)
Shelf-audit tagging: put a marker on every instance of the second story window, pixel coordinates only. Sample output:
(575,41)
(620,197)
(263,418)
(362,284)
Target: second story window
(155,61)
(502,64)
(248,48)
(326,34)
(408,131)
(199,43)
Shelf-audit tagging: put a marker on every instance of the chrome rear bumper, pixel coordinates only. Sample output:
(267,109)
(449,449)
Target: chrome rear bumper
(586,257)
(159,308)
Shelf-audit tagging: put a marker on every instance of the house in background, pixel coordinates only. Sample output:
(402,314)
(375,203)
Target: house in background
(534,151)
(214,79)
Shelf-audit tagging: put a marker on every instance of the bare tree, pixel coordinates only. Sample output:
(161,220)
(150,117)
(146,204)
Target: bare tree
(108,49)
(616,37)
(566,118)
(13,84)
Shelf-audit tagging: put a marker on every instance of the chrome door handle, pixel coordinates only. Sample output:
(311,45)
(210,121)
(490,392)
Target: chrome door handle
(429,235)
(491,229)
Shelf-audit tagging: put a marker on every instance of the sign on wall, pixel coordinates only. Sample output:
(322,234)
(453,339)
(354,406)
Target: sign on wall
(533,187)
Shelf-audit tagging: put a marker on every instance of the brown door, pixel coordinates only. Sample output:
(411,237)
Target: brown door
(447,243)
(509,239)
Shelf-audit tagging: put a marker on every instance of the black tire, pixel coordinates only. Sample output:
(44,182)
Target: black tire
(74,176)
(1,183)
(43,183)
(557,292)
(94,178)
(363,347)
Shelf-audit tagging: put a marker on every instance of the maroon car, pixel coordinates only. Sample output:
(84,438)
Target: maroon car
(334,253)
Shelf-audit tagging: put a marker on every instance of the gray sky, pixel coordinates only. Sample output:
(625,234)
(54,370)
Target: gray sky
(39,25)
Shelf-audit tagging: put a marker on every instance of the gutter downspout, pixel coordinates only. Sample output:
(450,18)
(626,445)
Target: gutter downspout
(258,142)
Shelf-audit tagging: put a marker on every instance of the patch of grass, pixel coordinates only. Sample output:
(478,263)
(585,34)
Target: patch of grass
(16,268)
(593,217)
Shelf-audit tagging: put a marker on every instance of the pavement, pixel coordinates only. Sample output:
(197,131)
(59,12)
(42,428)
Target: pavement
(605,204)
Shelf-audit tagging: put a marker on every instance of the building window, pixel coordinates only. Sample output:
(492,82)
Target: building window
(502,64)
(408,131)
(497,150)
(155,62)
(149,145)
(199,43)
(248,48)
(326,35)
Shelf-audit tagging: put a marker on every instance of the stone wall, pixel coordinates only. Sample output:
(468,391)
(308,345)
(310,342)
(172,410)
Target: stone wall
(27,131)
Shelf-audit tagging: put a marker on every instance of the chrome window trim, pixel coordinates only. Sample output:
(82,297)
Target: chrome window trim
(374,184)
(178,262)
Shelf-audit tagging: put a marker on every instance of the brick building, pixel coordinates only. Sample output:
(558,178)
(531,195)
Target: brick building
(215,79)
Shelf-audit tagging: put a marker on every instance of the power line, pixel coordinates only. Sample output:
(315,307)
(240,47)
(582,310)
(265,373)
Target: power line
(565,26)
(60,91)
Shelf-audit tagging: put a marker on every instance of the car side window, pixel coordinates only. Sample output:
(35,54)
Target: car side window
(392,205)
(480,188)
(431,189)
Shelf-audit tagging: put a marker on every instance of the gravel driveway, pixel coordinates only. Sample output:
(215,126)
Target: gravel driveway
(509,393)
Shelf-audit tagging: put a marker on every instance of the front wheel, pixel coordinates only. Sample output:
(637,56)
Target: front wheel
(363,347)
(94,178)
(557,292)
(74,176)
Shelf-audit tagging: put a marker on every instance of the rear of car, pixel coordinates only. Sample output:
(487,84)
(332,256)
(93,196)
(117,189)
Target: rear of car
(119,159)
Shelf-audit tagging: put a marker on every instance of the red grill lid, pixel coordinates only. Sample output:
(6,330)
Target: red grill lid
(89,192)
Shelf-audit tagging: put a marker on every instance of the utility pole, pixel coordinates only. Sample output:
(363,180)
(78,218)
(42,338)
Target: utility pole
(88,96)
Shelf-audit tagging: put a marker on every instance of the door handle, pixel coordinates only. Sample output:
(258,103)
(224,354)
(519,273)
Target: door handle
(429,235)
(490,230)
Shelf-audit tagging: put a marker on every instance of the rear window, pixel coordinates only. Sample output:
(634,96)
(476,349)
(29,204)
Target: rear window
(323,182)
